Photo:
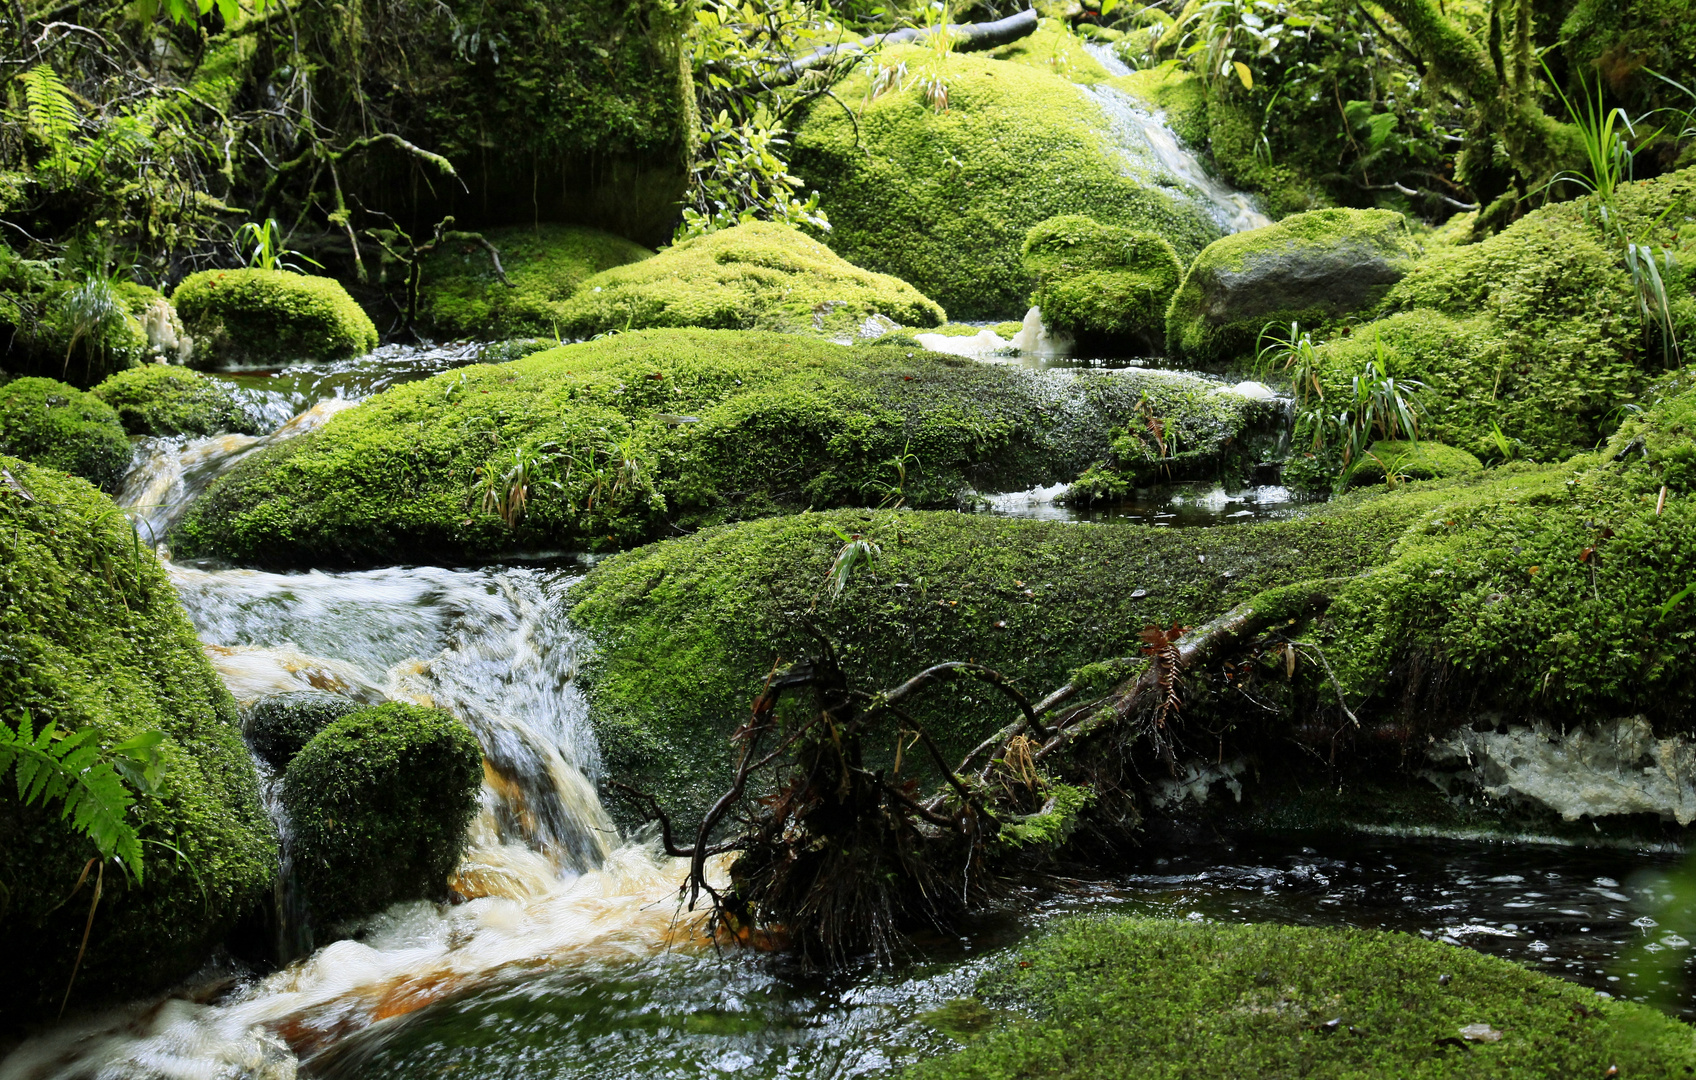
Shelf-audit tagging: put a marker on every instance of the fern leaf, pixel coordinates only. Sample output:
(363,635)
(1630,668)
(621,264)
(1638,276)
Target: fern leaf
(68,768)
(48,105)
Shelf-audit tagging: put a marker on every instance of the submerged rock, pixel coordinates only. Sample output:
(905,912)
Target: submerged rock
(616,441)
(1210,999)
(161,399)
(943,198)
(61,427)
(379,802)
(267,316)
(1308,268)
(1102,282)
(92,637)
(461,296)
(758,276)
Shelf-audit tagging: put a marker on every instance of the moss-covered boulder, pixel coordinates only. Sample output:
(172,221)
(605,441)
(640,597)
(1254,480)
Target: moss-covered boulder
(943,199)
(279,726)
(1407,460)
(92,637)
(616,441)
(379,802)
(1308,268)
(161,399)
(687,629)
(461,296)
(52,424)
(271,316)
(1532,342)
(81,330)
(758,276)
(1102,282)
(1188,999)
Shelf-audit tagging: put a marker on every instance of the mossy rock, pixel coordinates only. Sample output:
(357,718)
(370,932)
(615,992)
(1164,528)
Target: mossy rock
(92,637)
(1102,282)
(943,200)
(1534,332)
(279,726)
(1622,43)
(1423,460)
(161,399)
(687,629)
(271,316)
(1192,999)
(460,295)
(1308,268)
(46,336)
(61,427)
(637,435)
(758,276)
(379,802)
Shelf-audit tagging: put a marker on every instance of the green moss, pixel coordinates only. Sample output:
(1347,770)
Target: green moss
(160,399)
(379,803)
(1183,999)
(1534,331)
(1054,49)
(279,726)
(1423,460)
(44,336)
(1620,43)
(943,200)
(758,276)
(636,435)
(262,316)
(688,628)
(63,428)
(461,297)
(92,637)
(1052,824)
(1102,281)
(1309,268)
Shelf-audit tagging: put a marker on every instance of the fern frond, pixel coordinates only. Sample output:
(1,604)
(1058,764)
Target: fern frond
(48,104)
(67,767)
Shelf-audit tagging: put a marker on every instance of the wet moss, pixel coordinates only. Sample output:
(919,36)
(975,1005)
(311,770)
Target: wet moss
(460,296)
(636,435)
(45,337)
(1102,281)
(1424,460)
(92,636)
(943,199)
(279,726)
(1309,268)
(1184,999)
(379,802)
(266,316)
(687,629)
(60,427)
(758,276)
(160,399)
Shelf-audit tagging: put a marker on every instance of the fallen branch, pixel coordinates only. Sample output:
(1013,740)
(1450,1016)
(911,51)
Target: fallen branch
(968,37)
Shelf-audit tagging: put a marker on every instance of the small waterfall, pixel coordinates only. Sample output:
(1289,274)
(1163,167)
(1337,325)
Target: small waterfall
(169,473)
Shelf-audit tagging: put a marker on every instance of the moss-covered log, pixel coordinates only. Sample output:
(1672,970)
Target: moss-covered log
(616,441)
(92,637)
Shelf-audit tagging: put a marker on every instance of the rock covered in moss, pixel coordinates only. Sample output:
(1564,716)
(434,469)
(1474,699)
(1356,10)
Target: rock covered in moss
(1530,343)
(757,276)
(944,199)
(279,726)
(61,427)
(161,399)
(1308,268)
(92,637)
(635,435)
(379,802)
(1102,281)
(461,296)
(1191,999)
(1409,460)
(81,330)
(271,316)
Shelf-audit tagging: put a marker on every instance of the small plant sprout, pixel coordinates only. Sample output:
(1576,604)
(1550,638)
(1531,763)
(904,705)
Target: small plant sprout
(894,494)
(855,549)
(1295,356)
(265,248)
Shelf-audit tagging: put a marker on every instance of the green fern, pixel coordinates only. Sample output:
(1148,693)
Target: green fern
(66,766)
(48,105)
